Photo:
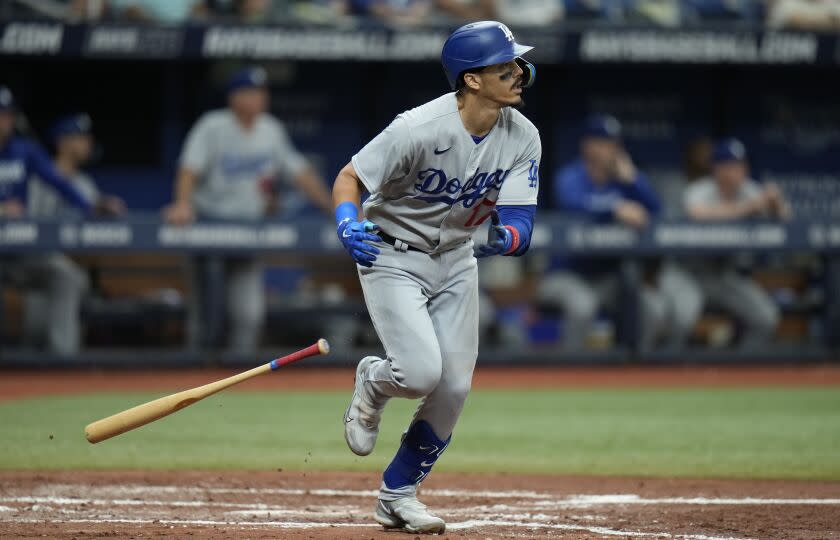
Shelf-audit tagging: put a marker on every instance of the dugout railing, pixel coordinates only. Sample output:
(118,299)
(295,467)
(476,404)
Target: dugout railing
(313,241)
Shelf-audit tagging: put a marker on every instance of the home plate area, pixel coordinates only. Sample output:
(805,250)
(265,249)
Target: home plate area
(339,505)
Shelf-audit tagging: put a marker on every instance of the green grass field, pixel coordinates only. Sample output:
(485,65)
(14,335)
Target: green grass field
(743,433)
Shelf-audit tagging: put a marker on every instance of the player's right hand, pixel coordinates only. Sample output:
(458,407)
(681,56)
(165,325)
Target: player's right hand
(355,235)
(179,213)
(12,209)
(109,206)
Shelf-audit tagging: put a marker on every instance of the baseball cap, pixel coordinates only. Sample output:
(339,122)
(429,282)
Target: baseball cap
(603,126)
(72,124)
(7,99)
(730,149)
(250,77)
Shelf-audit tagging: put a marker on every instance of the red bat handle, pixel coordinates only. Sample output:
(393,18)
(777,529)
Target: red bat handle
(322,347)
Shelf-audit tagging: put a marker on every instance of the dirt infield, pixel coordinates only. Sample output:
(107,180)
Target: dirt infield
(330,505)
(21,384)
(322,505)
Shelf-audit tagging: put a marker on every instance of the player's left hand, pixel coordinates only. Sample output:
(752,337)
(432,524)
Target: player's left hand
(499,238)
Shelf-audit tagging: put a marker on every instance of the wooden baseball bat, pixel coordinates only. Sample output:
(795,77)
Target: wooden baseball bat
(154,410)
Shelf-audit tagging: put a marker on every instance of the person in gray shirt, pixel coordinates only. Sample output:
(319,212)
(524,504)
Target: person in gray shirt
(52,311)
(228,158)
(730,195)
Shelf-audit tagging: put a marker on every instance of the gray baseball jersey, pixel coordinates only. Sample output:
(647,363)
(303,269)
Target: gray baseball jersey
(705,191)
(43,201)
(431,185)
(231,162)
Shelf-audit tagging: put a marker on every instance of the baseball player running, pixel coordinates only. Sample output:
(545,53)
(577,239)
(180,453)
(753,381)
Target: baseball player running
(434,175)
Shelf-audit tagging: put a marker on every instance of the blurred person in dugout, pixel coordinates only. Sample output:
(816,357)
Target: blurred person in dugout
(231,160)
(404,13)
(58,281)
(158,11)
(604,186)
(730,195)
(72,140)
(512,12)
(808,15)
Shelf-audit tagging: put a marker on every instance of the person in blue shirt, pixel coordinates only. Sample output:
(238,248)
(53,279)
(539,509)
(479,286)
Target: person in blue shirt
(21,161)
(604,186)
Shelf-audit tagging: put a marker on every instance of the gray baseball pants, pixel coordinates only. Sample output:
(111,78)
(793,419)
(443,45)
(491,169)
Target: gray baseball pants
(745,300)
(55,287)
(245,302)
(425,311)
(668,310)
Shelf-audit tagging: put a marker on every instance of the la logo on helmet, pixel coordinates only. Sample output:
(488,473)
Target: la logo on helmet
(507,32)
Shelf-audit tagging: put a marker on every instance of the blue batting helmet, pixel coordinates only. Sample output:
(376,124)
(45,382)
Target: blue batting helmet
(482,44)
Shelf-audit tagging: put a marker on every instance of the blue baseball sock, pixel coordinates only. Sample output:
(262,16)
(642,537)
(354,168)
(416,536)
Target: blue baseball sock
(415,458)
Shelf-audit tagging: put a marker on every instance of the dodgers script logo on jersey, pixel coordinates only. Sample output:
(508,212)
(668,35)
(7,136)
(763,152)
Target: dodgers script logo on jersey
(437,187)
(236,165)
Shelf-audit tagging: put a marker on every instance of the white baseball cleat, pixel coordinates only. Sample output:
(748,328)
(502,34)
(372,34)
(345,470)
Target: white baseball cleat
(409,514)
(361,421)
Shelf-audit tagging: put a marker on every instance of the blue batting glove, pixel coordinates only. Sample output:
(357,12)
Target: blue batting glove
(499,238)
(355,235)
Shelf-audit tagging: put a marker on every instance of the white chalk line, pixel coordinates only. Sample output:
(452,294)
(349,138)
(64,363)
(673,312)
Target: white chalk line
(324,492)
(140,502)
(494,515)
(629,498)
(544,518)
(604,531)
(549,501)
(497,512)
(187,522)
(39,504)
(471,524)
